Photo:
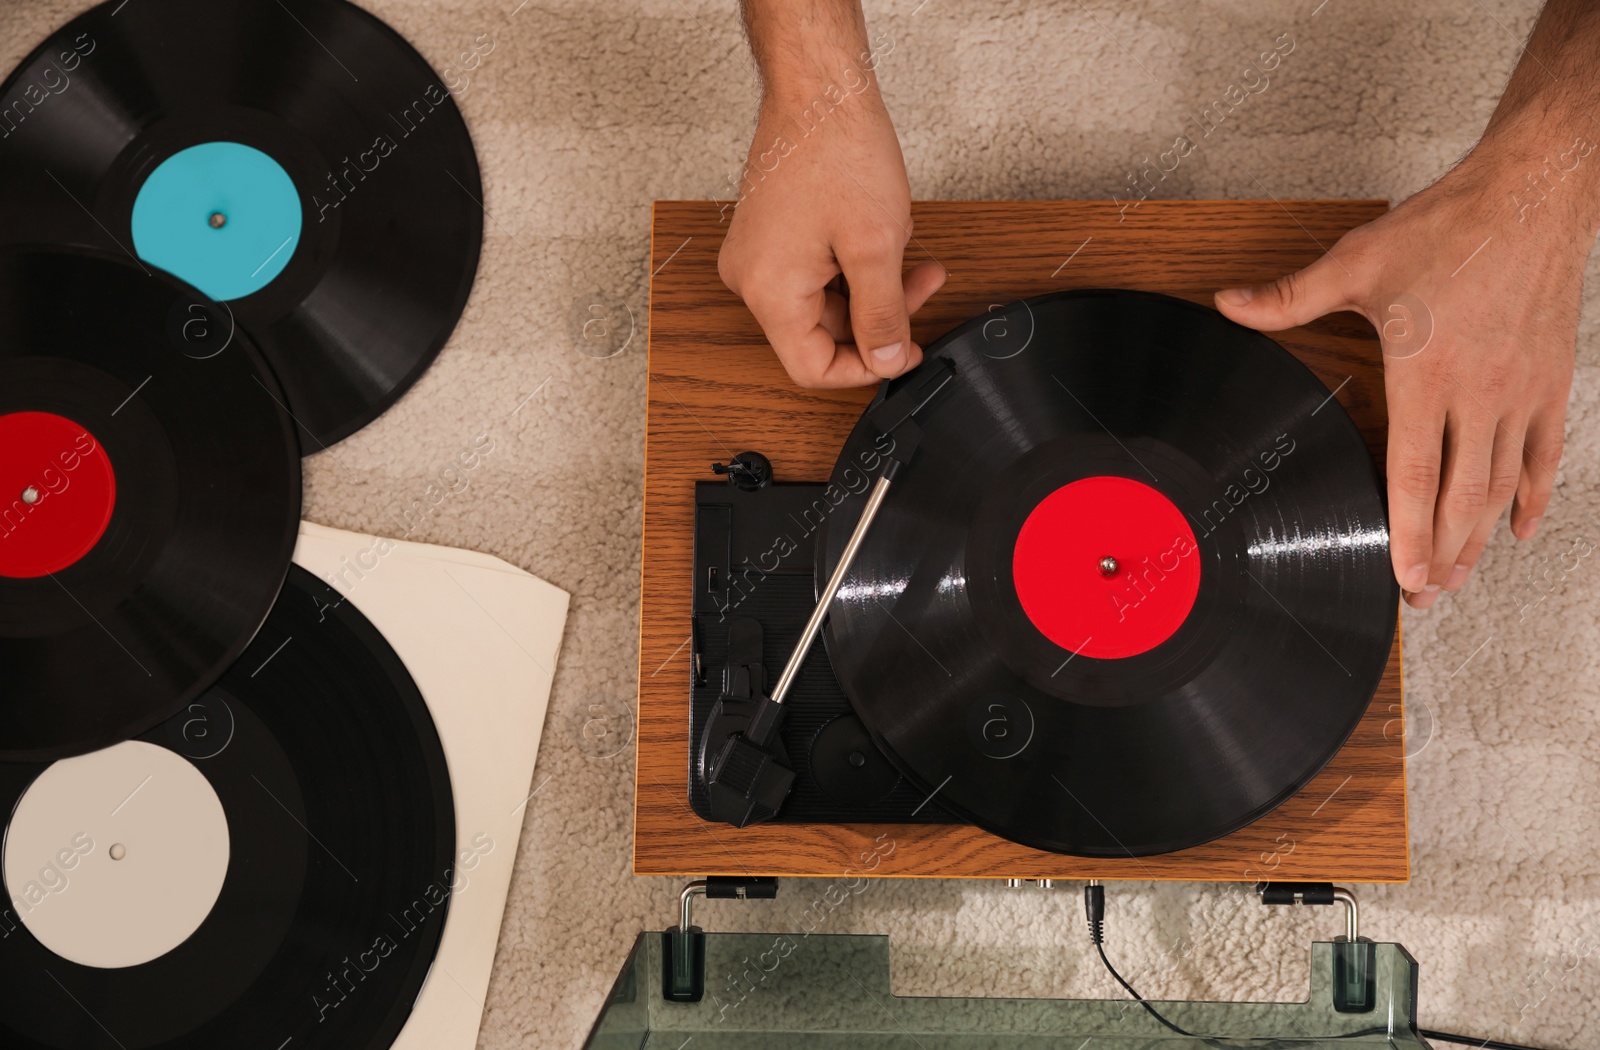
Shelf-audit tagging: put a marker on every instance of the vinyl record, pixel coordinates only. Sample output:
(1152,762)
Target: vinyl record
(1133,590)
(304,803)
(149,495)
(296,159)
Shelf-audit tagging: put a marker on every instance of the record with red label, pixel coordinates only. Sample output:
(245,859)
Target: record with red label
(149,495)
(1133,589)
(297,160)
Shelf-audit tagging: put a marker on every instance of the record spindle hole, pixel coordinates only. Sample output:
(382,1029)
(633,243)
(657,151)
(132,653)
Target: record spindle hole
(117,851)
(218,220)
(30,495)
(1108,566)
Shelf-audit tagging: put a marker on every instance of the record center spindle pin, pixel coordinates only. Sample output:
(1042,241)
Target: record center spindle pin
(30,495)
(1108,566)
(218,220)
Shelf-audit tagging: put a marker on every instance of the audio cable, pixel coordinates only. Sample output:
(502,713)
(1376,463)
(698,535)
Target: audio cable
(1094,905)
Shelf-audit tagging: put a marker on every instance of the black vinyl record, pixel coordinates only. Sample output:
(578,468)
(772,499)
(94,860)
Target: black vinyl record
(342,830)
(321,122)
(1022,638)
(149,498)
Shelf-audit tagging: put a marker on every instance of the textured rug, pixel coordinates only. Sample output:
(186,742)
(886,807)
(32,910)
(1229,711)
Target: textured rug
(583,114)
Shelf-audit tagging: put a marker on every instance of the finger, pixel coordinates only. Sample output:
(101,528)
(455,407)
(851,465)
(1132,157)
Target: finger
(1504,470)
(1416,436)
(794,325)
(920,282)
(1291,300)
(836,316)
(816,361)
(878,315)
(1464,493)
(1541,453)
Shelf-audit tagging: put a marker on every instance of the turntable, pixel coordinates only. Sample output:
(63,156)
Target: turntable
(1228,705)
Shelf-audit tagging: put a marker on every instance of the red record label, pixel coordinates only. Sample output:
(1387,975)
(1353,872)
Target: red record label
(1106,567)
(57,491)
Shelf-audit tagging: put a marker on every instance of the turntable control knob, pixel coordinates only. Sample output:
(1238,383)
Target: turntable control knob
(218,220)
(1108,566)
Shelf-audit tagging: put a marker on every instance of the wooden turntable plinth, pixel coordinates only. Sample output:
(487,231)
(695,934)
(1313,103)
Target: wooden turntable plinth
(716,389)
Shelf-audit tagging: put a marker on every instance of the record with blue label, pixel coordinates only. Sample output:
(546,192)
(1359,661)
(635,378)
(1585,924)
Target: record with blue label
(295,160)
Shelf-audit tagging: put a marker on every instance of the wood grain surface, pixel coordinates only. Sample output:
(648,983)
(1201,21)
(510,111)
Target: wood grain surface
(715,389)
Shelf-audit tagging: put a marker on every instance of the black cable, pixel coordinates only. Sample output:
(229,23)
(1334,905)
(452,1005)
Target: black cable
(1094,906)
(1217,1041)
(1468,1040)
(1139,998)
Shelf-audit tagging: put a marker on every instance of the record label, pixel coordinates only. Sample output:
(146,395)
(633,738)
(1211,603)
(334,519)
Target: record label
(57,492)
(1106,567)
(117,856)
(221,216)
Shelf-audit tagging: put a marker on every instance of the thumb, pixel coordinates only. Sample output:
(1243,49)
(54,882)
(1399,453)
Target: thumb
(1291,300)
(879,321)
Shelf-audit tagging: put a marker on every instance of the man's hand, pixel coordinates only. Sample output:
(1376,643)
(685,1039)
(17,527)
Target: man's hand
(1474,287)
(824,193)
(1476,366)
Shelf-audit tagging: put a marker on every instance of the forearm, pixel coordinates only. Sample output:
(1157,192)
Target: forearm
(802,45)
(1537,158)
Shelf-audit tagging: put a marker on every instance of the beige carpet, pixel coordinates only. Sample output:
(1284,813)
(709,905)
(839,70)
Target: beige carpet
(584,113)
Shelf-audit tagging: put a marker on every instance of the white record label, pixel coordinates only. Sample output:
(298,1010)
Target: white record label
(115,857)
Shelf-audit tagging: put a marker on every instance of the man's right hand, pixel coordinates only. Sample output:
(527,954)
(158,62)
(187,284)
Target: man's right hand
(820,204)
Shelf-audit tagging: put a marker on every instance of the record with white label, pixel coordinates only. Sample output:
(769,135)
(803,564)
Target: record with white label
(270,867)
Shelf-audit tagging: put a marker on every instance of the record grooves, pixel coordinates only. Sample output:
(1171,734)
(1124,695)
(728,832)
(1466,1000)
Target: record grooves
(340,813)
